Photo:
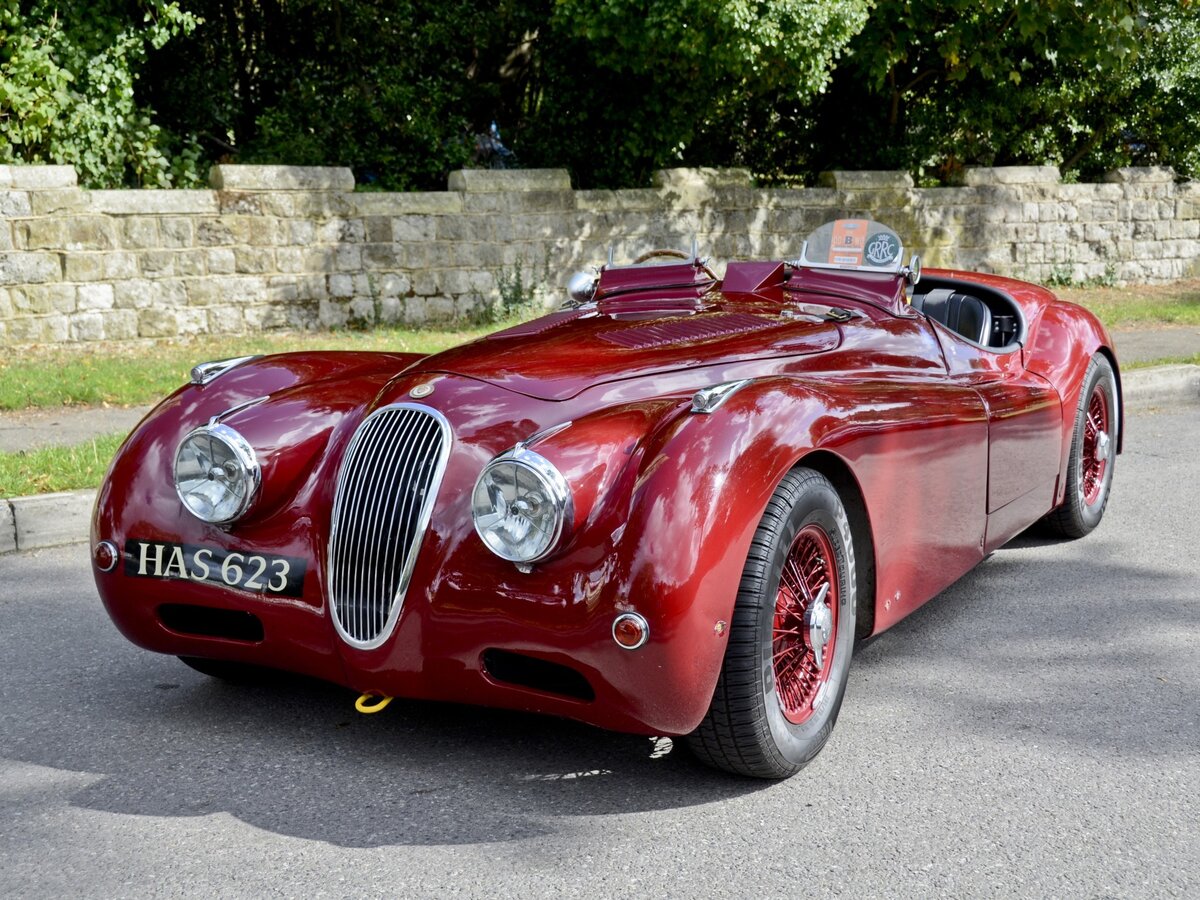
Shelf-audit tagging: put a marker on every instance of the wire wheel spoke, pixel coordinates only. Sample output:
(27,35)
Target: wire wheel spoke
(805,611)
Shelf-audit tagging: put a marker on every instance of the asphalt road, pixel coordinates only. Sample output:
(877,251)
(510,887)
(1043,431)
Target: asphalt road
(1034,731)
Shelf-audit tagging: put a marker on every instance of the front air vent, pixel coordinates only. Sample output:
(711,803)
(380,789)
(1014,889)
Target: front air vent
(686,331)
(385,494)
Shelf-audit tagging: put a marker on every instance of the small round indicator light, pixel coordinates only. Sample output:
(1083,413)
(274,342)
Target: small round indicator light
(105,556)
(630,631)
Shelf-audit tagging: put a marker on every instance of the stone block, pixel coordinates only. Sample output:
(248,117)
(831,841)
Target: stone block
(407,203)
(221,260)
(280,178)
(866,180)
(226,320)
(158,323)
(120,324)
(244,289)
(263,231)
(342,231)
(119,264)
(394,285)
(1141,175)
(94,296)
(289,259)
(319,259)
(136,293)
(8,528)
(348,258)
(191,262)
(29,268)
(487,181)
(139,232)
(176,231)
(42,299)
(191,321)
(157,263)
(332,314)
(6,239)
(90,233)
(391,310)
(47,520)
(341,285)
(241,203)
(414,228)
(83,266)
(41,234)
(14,204)
(152,201)
(37,177)
(301,231)
(51,329)
(6,307)
(704,177)
(253,260)
(1011,175)
(88,326)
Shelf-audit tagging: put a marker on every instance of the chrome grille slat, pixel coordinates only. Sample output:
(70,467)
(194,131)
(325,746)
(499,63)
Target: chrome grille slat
(385,493)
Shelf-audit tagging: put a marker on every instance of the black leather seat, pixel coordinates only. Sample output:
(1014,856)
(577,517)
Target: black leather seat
(961,313)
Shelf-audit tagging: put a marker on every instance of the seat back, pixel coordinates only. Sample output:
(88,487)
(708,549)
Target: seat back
(961,313)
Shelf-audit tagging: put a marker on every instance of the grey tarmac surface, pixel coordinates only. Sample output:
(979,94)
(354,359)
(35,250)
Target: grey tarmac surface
(1032,732)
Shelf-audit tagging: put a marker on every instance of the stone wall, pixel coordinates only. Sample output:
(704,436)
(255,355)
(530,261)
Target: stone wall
(288,247)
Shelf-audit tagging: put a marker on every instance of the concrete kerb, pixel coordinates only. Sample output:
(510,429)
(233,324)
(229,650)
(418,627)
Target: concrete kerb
(47,520)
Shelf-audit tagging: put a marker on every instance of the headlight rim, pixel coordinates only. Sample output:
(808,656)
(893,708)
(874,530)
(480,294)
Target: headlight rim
(245,455)
(559,490)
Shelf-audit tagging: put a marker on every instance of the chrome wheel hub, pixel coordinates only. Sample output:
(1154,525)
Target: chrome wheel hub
(1102,442)
(818,622)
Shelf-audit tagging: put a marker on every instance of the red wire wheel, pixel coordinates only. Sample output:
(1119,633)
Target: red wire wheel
(1096,447)
(805,626)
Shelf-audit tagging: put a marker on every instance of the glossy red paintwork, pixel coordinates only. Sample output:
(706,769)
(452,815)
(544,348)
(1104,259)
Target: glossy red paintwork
(952,448)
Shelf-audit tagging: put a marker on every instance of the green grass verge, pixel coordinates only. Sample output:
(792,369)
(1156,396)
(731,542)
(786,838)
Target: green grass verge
(57,468)
(1140,305)
(135,374)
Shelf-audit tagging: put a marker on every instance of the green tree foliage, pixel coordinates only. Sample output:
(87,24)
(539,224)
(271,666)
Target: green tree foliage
(610,89)
(934,85)
(67,77)
(657,75)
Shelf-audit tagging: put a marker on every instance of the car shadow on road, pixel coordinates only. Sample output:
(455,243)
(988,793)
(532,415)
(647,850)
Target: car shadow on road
(295,758)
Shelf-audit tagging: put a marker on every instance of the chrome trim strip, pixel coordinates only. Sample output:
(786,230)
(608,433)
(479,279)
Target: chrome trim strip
(383,501)
(203,373)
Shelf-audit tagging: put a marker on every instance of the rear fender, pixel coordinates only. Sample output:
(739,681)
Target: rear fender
(1065,339)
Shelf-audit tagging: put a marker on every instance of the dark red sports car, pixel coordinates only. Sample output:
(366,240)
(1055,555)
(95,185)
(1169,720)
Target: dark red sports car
(670,507)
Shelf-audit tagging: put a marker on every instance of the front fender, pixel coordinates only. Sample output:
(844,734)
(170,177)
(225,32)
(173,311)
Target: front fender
(693,511)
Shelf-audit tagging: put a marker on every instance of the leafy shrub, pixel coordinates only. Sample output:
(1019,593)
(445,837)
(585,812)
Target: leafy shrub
(67,78)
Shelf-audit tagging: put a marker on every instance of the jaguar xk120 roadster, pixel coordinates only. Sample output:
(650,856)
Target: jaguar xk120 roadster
(670,507)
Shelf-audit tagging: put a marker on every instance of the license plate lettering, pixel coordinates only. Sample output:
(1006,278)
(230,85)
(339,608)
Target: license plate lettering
(260,573)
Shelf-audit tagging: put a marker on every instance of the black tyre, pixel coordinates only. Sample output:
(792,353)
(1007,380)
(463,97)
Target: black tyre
(233,672)
(791,638)
(1093,454)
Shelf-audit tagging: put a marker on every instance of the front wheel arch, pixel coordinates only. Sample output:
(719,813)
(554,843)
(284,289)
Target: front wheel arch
(844,482)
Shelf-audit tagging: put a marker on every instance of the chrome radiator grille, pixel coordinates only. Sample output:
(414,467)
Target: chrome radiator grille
(385,494)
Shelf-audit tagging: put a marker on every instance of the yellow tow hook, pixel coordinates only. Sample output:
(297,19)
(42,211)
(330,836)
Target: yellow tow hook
(367,708)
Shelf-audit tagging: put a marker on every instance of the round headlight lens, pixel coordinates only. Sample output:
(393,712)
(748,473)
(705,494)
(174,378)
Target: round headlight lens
(520,505)
(216,474)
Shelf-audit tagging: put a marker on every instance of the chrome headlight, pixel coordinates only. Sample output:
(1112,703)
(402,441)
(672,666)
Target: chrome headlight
(520,505)
(216,474)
